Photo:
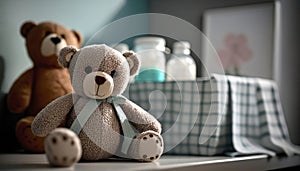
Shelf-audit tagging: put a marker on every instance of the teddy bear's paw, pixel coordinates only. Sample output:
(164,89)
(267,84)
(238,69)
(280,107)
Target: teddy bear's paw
(147,146)
(63,147)
(27,139)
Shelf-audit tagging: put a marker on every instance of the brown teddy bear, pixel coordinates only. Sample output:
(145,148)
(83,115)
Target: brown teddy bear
(45,81)
(106,123)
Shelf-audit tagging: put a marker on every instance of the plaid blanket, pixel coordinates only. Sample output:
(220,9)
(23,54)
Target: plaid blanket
(258,119)
(217,115)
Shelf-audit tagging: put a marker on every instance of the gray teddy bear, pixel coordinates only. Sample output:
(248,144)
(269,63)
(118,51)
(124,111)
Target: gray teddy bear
(106,123)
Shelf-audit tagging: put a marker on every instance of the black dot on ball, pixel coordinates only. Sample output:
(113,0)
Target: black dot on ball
(65,159)
(65,137)
(54,140)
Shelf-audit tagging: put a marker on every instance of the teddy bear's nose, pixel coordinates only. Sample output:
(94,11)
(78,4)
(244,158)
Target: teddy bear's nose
(100,80)
(55,40)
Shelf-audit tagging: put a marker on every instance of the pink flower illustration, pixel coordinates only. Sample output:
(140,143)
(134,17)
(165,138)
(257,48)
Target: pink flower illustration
(235,51)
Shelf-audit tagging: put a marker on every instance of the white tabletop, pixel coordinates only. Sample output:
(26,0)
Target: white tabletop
(257,162)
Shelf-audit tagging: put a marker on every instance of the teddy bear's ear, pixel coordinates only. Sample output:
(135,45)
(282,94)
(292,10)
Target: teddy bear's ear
(133,61)
(78,36)
(26,27)
(66,54)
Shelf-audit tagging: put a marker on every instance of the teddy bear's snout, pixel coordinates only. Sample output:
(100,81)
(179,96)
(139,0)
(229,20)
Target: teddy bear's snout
(100,80)
(52,44)
(98,85)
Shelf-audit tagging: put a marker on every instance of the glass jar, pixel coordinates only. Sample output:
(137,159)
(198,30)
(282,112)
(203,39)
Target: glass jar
(181,66)
(153,60)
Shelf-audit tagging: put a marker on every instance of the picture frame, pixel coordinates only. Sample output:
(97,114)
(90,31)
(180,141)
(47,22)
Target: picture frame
(246,40)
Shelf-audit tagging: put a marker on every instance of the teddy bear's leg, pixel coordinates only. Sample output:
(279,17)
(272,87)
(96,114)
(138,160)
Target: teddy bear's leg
(27,139)
(146,146)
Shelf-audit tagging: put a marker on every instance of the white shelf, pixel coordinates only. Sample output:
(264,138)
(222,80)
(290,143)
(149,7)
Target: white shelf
(255,162)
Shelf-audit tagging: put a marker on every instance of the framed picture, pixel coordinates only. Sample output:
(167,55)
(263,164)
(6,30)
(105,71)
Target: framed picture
(245,40)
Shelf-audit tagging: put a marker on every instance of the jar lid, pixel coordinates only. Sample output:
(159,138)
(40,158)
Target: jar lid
(182,45)
(122,47)
(157,41)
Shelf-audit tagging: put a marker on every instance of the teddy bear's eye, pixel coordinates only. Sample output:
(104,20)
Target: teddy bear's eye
(88,69)
(113,73)
(47,33)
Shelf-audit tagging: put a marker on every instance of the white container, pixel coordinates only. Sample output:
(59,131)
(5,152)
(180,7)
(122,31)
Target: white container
(181,65)
(153,60)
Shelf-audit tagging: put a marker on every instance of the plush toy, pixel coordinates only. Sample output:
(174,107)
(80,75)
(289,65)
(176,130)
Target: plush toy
(106,122)
(45,81)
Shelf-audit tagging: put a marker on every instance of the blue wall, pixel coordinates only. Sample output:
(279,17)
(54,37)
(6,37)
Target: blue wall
(86,17)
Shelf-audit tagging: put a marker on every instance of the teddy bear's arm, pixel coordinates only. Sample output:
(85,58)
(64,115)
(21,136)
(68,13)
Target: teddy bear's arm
(53,115)
(18,97)
(141,120)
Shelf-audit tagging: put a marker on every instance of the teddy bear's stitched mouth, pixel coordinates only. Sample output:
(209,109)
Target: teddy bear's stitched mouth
(100,95)
(95,94)
(98,92)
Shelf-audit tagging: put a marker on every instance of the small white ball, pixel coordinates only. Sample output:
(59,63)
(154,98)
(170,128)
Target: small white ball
(63,147)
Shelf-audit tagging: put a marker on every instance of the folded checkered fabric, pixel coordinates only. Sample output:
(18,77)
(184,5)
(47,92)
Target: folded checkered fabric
(216,115)
(258,119)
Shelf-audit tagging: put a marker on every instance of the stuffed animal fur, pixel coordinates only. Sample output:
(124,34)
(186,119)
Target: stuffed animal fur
(101,74)
(42,83)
